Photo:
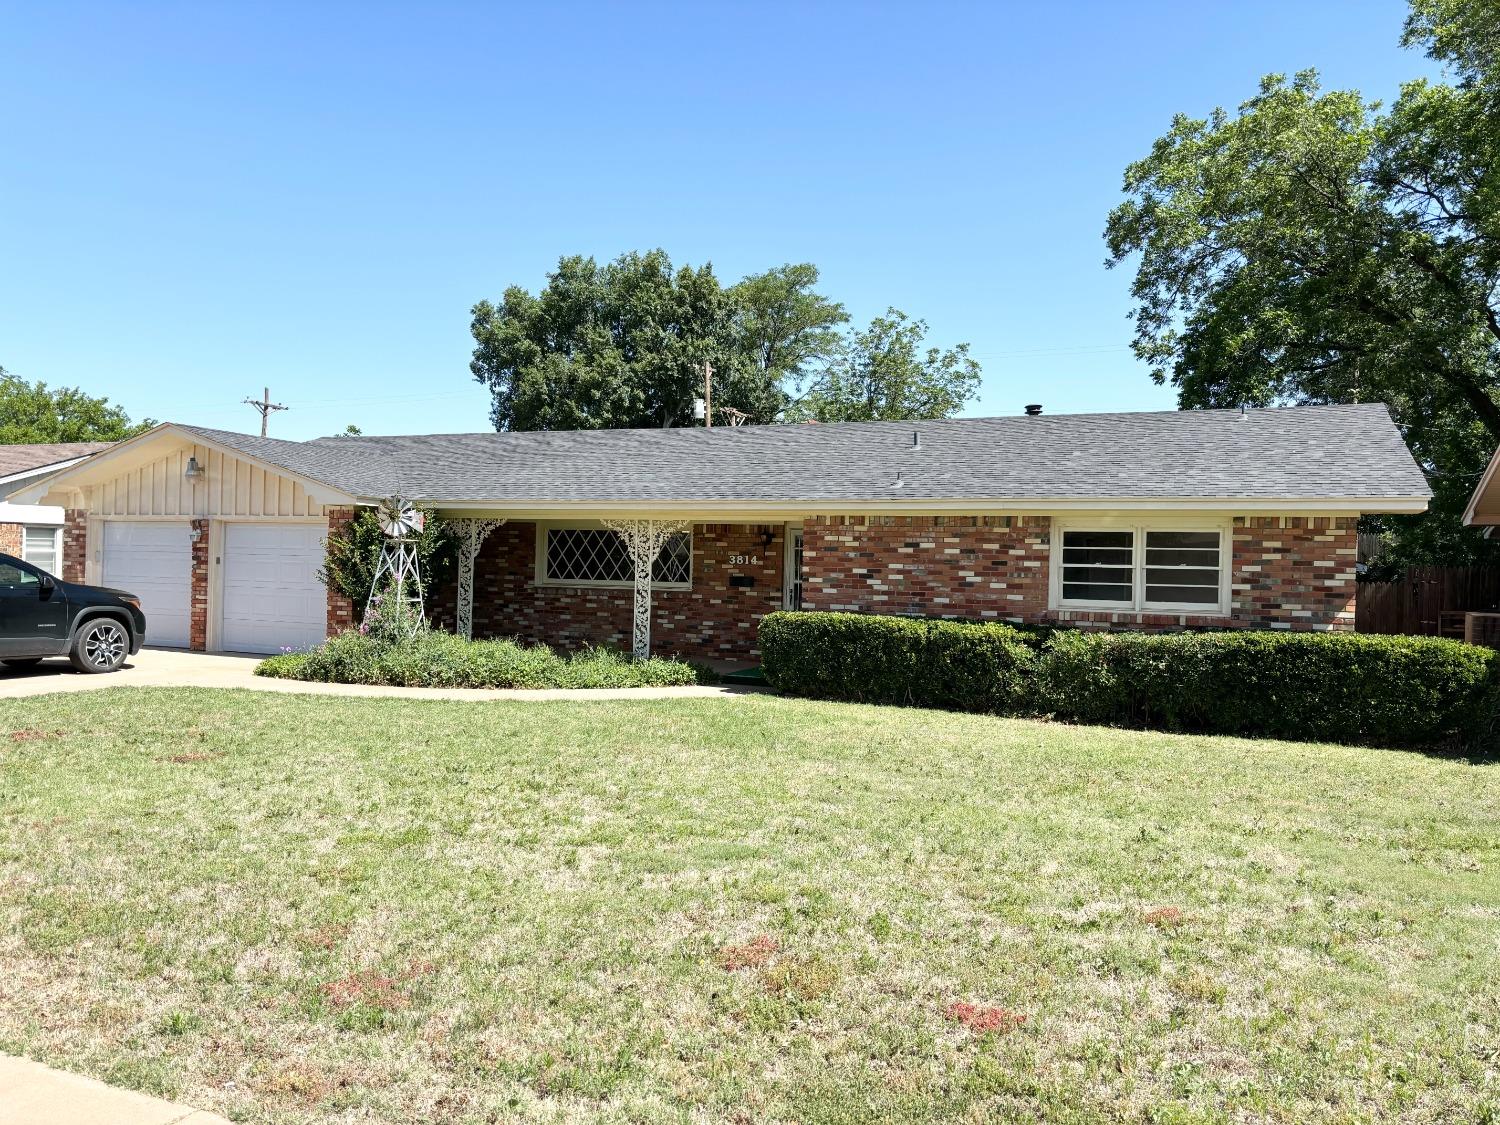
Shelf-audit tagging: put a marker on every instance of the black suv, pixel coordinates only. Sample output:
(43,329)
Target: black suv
(44,616)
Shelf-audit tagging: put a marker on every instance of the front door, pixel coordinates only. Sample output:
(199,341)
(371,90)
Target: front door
(792,584)
(33,614)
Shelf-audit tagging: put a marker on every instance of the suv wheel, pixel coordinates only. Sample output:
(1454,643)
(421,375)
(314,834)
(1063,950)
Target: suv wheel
(101,646)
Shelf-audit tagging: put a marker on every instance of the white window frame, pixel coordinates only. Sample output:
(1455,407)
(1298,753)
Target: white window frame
(57,544)
(544,579)
(1138,529)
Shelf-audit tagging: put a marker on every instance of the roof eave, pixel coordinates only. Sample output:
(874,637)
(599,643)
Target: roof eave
(718,510)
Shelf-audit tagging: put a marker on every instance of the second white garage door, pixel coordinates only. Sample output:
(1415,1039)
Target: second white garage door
(271,594)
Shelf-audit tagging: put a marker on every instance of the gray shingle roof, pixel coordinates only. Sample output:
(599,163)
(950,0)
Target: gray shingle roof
(20,458)
(1290,453)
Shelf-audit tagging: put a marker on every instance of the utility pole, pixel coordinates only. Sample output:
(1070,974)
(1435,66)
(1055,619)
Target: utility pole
(708,394)
(265,406)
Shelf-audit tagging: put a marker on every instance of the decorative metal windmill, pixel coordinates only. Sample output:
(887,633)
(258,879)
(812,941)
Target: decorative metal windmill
(397,568)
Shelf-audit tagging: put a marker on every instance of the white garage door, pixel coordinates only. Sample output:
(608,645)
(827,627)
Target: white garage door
(153,561)
(272,596)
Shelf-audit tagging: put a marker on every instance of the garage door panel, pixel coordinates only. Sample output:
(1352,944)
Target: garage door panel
(154,562)
(272,598)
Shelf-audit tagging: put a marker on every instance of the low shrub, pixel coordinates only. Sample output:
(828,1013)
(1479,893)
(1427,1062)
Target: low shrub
(1332,687)
(1336,687)
(900,660)
(435,659)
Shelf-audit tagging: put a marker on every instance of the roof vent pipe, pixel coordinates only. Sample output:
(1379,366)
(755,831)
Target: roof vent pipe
(1244,410)
(1033,409)
(916,439)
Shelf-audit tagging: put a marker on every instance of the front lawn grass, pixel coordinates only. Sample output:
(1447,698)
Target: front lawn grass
(293,908)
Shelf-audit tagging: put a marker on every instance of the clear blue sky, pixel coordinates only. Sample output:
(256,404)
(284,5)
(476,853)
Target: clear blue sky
(199,199)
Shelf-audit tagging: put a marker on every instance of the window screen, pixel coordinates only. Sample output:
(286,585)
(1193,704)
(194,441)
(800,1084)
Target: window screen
(1099,566)
(1182,568)
(598,555)
(39,547)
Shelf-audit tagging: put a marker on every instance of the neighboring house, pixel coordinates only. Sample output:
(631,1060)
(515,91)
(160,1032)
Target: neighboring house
(1213,518)
(34,531)
(1484,506)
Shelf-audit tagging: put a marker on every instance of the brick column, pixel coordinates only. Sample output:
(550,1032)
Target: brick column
(10,539)
(340,608)
(198,589)
(75,544)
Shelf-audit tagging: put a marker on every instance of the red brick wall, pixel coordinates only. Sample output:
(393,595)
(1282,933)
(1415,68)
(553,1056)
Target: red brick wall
(198,588)
(714,619)
(75,544)
(1289,572)
(937,566)
(340,608)
(1295,572)
(10,539)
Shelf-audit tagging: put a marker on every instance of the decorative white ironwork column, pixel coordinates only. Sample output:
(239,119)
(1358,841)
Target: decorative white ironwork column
(471,533)
(644,539)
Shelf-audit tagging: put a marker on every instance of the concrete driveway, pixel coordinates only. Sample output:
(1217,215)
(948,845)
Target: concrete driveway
(166,667)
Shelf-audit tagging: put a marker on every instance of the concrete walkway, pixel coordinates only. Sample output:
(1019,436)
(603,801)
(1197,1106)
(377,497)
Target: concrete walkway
(163,667)
(33,1094)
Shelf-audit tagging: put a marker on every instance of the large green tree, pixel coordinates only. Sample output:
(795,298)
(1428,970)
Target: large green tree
(617,345)
(33,413)
(884,374)
(787,329)
(1313,247)
(624,344)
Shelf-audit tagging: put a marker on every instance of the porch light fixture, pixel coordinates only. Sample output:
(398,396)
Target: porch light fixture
(194,470)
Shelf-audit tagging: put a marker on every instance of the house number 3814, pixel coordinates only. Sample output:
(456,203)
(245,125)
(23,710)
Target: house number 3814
(744,560)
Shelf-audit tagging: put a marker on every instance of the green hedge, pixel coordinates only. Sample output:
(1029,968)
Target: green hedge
(1337,687)
(433,659)
(902,660)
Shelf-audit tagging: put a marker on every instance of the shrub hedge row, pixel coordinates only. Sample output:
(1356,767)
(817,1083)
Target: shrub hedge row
(433,659)
(1335,687)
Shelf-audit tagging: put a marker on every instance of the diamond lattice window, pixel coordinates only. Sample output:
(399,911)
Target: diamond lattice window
(597,556)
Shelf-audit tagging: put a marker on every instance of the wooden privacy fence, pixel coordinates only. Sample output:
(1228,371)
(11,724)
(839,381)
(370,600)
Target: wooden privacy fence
(1428,601)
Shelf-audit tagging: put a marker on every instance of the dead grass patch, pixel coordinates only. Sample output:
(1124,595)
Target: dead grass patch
(752,955)
(367,987)
(983,1018)
(1163,917)
(323,937)
(32,734)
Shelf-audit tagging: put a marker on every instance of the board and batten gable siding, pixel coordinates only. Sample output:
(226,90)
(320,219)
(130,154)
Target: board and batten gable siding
(231,488)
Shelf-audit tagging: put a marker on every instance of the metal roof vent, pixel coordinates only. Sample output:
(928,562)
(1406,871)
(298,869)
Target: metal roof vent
(899,482)
(1033,409)
(916,439)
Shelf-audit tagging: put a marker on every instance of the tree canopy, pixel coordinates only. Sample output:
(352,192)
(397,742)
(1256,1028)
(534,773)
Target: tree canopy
(32,413)
(624,344)
(882,374)
(1313,248)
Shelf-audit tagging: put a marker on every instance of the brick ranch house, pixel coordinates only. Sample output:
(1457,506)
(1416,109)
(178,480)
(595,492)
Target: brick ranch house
(1212,518)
